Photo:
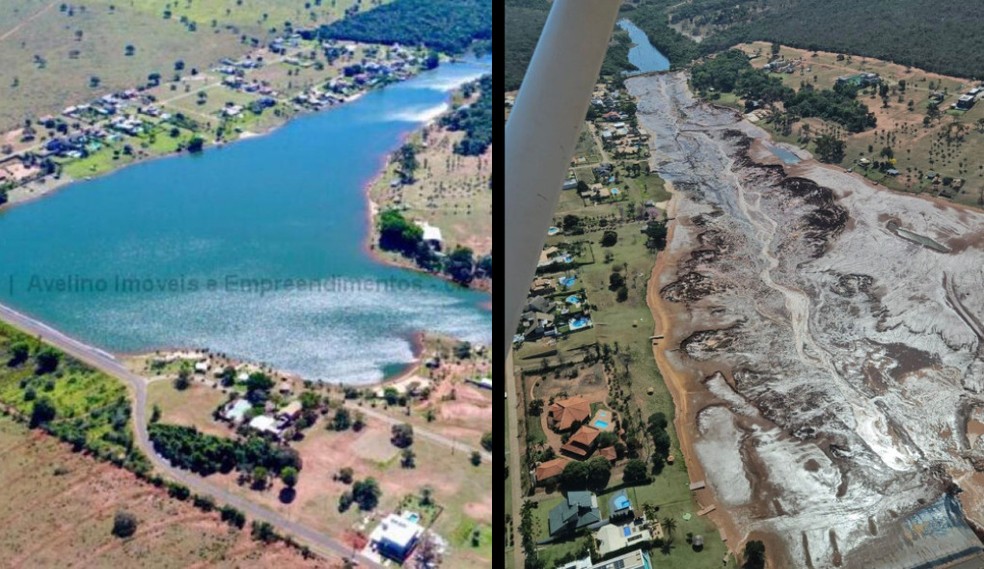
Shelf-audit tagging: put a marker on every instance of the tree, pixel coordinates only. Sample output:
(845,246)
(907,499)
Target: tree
(574,476)
(342,420)
(669,526)
(432,61)
(124,524)
(406,158)
(196,144)
(487,441)
(661,441)
(655,235)
(830,149)
(476,458)
(19,352)
(260,475)
(609,239)
(94,81)
(396,233)
(615,280)
(402,435)
(289,476)
(407,459)
(46,360)
(599,471)
(183,381)
(636,472)
(227,376)
(259,381)
(358,421)
(622,294)
(345,475)
(154,79)
(42,412)
(754,555)
(129,50)
(155,413)
(345,501)
(179,65)
(366,493)
(263,531)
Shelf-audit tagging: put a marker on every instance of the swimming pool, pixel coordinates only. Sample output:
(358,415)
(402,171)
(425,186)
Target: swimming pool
(573,299)
(601,424)
(553,230)
(615,191)
(578,323)
(567,281)
(412,517)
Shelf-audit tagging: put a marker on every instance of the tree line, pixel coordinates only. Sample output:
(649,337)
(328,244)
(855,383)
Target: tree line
(256,458)
(398,234)
(475,119)
(445,25)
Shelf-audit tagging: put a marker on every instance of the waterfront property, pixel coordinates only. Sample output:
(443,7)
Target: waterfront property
(579,510)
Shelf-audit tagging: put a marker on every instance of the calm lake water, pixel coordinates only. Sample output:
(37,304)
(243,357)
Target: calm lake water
(197,251)
(643,55)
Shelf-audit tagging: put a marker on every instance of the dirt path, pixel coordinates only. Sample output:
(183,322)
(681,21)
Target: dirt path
(677,384)
(512,403)
(17,28)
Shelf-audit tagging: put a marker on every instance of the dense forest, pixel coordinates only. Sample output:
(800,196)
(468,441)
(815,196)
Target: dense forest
(474,119)
(940,36)
(524,21)
(882,29)
(731,72)
(445,25)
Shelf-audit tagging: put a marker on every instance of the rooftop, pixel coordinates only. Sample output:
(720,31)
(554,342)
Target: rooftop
(396,530)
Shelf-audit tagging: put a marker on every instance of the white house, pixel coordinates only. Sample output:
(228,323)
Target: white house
(265,424)
(395,537)
(432,235)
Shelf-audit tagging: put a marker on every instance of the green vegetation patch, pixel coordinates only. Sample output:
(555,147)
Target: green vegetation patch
(56,392)
(445,25)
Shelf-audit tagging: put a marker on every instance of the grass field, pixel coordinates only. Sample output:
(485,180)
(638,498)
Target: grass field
(952,145)
(191,407)
(628,325)
(56,506)
(451,191)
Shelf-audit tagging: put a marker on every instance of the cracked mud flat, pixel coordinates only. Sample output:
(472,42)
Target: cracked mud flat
(825,340)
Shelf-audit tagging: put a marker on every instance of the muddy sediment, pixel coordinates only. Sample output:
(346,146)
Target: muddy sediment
(834,364)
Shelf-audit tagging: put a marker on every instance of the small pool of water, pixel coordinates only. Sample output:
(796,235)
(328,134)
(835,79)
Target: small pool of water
(787,156)
(553,230)
(601,424)
(413,517)
(579,323)
(615,191)
(573,299)
(567,281)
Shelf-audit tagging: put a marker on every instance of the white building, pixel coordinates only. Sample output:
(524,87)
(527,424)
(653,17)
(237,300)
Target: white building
(265,424)
(432,235)
(395,537)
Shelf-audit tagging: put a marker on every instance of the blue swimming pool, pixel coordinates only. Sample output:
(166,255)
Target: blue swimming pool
(412,517)
(573,299)
(567,281)
(601,424)
(553,230)
(615,191)
(578,323)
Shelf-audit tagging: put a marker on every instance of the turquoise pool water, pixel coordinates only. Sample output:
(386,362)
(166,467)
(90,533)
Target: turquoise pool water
(567,281)
(578,323)
(573,299)
(601,424)
(615,191)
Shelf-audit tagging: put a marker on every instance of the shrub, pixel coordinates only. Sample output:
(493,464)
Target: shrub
(124,524)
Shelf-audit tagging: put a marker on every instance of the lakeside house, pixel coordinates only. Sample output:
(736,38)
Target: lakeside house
(235,411)
(395,537)
(291,412)
(612,538)
(550,469)
(265,424)
(564,413)
(579,510)
(582,443)
(432,236)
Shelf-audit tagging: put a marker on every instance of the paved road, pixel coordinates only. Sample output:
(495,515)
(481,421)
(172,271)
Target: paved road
(515,472)
(106,363)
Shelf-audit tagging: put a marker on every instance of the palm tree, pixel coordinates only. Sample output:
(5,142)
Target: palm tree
(669,526)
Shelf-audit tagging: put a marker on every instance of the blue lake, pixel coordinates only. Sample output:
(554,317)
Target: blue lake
(210,250)
(643,55)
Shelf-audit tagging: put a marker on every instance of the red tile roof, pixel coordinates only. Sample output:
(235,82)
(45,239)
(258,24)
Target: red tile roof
(566,412)
(550,468)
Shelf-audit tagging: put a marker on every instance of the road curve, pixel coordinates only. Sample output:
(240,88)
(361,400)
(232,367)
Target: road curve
(105,362)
